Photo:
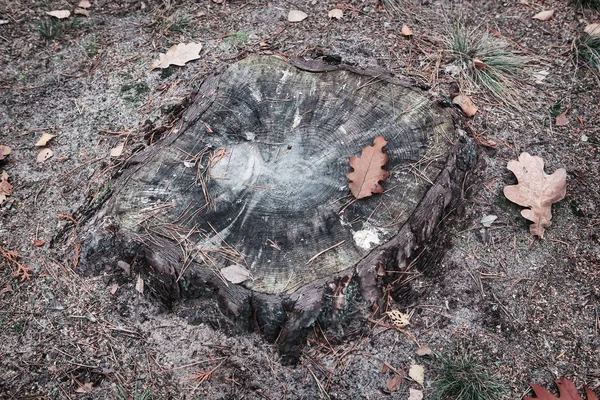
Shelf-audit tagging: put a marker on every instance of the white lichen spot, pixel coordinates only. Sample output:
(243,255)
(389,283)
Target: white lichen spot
(366,239)
(297,119)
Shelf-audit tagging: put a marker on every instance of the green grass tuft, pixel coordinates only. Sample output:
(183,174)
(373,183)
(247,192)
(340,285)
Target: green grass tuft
(582,4)
(588,49)
(499,76)
(461,377)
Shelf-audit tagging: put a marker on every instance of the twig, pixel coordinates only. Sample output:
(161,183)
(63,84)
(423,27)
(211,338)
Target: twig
(324,251)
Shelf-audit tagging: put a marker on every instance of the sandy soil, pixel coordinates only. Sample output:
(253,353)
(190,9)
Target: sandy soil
(527,309)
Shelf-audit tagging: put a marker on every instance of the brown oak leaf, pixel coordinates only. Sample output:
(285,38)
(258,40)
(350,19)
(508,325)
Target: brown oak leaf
(566,391)
(368,171)
(5,187)
(536,190)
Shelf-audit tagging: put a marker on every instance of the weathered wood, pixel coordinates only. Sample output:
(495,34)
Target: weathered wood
(255,176)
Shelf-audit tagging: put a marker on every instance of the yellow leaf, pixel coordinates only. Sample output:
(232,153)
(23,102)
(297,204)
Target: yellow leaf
(43,140)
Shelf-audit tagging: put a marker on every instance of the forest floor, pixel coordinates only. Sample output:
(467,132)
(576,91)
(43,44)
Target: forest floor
(526,310)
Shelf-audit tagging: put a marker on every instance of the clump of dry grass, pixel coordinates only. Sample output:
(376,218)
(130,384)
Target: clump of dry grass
(582,4)
(486,63)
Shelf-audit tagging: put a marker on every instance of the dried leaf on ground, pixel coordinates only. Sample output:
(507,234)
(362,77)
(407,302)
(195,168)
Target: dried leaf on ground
(417,373)
(466,104)
(12,257)
(84,4)
(116,151)
(38,243)
(44,140)
(178,54)
(544,15)
(4,151)
(60,14)
(414,394)
(406,31)
(394,382)
(235,273)
(540,76)
(561,119)
(478,64)
(424,351)
(399,320)
(85,388)
(296,16)
(81,11)
(488,220)
(368,171)
(536,190)
(592,29)
(335,13)
(44,155)
(566,390)
(5,187)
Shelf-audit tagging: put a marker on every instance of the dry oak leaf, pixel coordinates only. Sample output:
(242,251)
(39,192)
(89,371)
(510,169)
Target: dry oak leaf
(178,54)
(368,171)
(536,190)
(466,104)
(544,15)
(4,151)
(5,187)
(566,391)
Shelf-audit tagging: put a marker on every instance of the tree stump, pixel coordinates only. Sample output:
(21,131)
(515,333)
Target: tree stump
(254,179)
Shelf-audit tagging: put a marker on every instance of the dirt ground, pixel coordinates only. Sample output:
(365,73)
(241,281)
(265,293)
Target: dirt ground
(526,309)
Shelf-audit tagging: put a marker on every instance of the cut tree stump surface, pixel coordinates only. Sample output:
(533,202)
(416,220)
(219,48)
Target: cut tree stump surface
(255,176)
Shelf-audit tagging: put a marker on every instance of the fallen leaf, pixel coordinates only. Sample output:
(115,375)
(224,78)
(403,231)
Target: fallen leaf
(384,368)
(139,285)
(4,151)
(566,391)
(466,104)
(60,14)
(561,119)
(235,273)
(85,388)
(296,16)
(592,29)
(178,54)
(44,155)
(335,13)
(393,383)
(38,243)
(488,220)
(544,15)
(417,373)
(43,140)
(81,11)
(6,289)
(368,171)
(536,190)
(84,4)
(398,319)
(5,187)
(116,151)
(478,64)
(424,351)
(112,289)
(540,76)
(414,394)
(406,31)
